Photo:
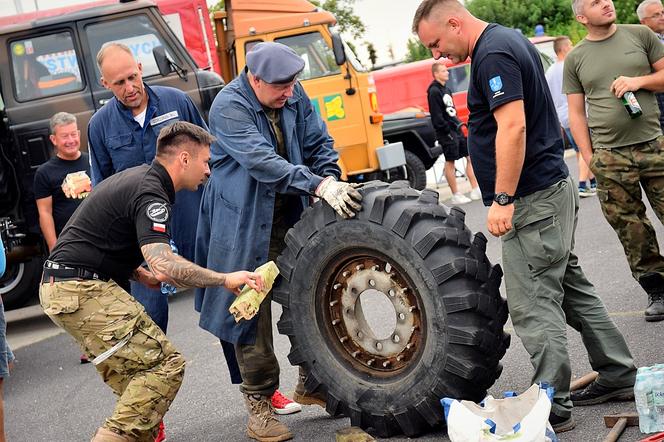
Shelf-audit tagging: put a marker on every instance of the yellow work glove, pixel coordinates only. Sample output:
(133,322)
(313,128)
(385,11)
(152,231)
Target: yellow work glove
(343,197)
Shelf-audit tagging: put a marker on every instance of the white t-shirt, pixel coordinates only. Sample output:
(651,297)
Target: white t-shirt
(140,118)
(554,78)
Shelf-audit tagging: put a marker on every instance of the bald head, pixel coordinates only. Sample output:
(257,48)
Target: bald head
(123,75)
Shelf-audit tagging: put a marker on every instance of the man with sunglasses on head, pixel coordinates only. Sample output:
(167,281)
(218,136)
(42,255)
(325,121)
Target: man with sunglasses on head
(272,154)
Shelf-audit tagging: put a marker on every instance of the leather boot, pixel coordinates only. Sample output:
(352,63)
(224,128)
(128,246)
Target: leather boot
(106,435)
(302,396)
(655,310)
(262,425)
(653,284)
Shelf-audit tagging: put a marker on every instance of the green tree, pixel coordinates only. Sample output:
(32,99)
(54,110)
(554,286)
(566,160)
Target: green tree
(556,15)
(372,53)
(416,50)
(349,23)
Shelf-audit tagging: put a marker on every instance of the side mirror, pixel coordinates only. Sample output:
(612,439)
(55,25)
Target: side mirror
(163,63)
(338,49)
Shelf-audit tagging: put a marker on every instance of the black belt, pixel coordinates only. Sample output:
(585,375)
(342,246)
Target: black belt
(57,272)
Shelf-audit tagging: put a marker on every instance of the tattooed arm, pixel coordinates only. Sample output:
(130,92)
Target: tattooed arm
(168,267)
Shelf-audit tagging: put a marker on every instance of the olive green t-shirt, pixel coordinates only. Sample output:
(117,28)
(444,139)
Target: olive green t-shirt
(591,67)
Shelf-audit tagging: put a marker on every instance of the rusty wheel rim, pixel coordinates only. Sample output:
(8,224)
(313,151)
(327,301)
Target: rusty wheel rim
(345,321)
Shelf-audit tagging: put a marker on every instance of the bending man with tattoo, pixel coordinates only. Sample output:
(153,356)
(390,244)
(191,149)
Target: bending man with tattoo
(84,289)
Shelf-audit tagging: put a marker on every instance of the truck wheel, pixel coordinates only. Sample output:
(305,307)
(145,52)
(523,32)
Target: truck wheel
(439,330)
(20,283)
(417,173)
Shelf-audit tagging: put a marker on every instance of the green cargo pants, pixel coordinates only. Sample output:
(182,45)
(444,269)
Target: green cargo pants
(546,289)
(145,373)
(620,173)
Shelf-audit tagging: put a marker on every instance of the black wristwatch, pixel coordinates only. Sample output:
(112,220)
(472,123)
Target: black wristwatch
(503,199)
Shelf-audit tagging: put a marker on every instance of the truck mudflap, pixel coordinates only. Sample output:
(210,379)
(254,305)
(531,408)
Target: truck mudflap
(391,155)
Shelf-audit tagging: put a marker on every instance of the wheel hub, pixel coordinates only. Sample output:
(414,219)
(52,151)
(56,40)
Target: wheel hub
(349,322)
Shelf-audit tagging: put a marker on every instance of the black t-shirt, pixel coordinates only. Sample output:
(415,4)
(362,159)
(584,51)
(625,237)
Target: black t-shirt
(506,67)
(443,113)
(125,211)
(49,180)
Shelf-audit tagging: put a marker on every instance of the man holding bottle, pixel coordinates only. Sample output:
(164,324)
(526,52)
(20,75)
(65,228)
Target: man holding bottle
(615,70)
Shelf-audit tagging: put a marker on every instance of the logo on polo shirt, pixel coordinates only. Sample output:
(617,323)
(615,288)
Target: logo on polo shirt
(157,212)
(496,83)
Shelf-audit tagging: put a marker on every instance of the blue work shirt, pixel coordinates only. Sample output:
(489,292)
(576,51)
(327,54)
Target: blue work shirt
(235,221)
(117,142)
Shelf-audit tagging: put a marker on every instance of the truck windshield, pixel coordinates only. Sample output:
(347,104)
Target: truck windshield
(137,32)
(44,66)
(318,56)
(459,77)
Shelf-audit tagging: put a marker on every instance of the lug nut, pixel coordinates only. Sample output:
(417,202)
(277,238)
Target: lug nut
(379,346)
(371,361)
(399,358)
(359,267)
(412,308)
(333,303)
(355,353)
(372,283)
(386,364)
(343,339)
(336,321)
(336,286)
(345,274)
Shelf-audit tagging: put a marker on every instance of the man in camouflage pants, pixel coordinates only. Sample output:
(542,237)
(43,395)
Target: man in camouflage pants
(625,153)
(84,289)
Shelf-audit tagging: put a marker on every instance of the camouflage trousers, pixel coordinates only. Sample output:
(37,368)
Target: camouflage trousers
(619,172)
(145,373)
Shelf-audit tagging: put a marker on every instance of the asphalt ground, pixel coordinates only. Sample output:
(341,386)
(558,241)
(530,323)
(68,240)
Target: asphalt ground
(51,397)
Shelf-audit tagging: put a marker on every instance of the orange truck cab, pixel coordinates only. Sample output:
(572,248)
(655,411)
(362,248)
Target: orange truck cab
(340,88)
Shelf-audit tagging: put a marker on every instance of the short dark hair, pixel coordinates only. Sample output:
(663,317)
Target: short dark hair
(426,7)
(559,42)
(179,133)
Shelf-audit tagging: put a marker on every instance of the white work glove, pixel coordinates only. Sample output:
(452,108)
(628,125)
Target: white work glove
(343,197)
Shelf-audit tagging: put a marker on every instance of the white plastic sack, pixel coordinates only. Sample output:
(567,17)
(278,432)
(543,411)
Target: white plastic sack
(522,418)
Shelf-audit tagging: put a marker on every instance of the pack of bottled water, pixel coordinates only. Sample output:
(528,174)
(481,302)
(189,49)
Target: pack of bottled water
(649,398)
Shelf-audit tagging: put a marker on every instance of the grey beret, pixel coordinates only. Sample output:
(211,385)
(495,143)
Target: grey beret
(274,62)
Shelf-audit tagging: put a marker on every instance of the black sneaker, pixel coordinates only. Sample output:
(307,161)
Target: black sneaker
(561,424)
(596,394)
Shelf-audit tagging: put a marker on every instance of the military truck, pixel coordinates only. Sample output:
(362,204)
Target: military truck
(48,65)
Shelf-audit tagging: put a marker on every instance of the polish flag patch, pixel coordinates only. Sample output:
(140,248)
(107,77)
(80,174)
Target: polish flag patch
(159,227)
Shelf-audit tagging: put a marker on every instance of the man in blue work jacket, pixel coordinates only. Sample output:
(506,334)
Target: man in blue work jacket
(123,134)
(272,154)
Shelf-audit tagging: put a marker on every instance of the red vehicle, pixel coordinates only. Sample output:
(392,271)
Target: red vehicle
(404,87)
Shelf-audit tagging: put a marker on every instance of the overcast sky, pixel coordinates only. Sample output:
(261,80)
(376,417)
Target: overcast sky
(387,22)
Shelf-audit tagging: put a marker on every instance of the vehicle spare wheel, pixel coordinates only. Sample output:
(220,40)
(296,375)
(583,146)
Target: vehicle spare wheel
(393,310)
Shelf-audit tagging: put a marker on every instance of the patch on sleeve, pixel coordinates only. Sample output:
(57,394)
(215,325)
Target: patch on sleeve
(496,83)
(157,212)
(159,227)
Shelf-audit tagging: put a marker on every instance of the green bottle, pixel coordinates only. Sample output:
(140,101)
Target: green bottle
(631,104)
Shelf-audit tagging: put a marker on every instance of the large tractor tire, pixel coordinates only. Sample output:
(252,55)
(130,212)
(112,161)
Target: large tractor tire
(444,314)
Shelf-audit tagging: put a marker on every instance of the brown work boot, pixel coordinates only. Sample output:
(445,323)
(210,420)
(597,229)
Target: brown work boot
(106,435)
(302,396)
(262,424)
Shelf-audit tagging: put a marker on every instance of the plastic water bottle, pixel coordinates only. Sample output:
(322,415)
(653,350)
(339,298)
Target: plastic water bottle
(166,288)
(643,399)
(658,400)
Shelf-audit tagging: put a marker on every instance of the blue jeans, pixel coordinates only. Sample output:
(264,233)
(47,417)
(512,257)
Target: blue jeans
(154,302)
(572,143)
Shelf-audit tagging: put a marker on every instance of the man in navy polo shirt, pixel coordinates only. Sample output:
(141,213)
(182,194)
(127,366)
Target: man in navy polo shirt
(517,151)
(123,134)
